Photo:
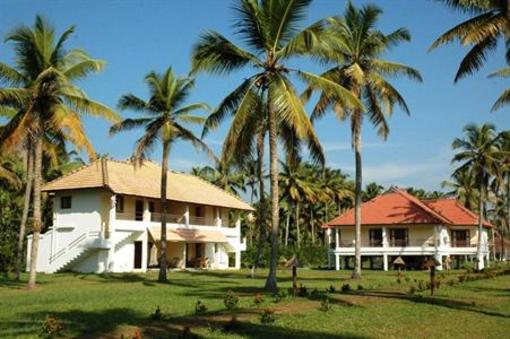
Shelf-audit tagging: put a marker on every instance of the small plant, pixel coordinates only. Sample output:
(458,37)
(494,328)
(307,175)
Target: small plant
(407,279)
(346,288)
(450,282)
(279,296)
(412,290)
(302,291)
(461,278)
(316,294)
(231,300)
(422,285)
(331,289)
(399,281)
(325,304)
(157,315)
(259,298)
(200,307)
(267,316)
(360,288)
(51,327)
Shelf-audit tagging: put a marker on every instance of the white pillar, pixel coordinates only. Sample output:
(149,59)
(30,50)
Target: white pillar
(238,220)
(184,255)
(238,259)
(111,233)
(385,262)
(145,250)
(218,221)
(439,245)
(337,262)
(337,238)
(385,242)
(186,215)
(146,213)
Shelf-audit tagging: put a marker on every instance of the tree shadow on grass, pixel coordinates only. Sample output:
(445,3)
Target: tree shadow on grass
(108,323)
(437,301)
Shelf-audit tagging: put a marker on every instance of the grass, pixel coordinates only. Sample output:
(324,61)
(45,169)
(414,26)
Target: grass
(111,306)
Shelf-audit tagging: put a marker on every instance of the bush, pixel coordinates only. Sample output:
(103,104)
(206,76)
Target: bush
(399,281)
(407,279)
(268,316)
(279,296)
(231,300)
(461,278)
(346,288)
(422,285)
(259,298)
(412,290)
(200,307)
(360,288)
(157,315)
(325,305)
(51,327)
(331,289)
(302,291)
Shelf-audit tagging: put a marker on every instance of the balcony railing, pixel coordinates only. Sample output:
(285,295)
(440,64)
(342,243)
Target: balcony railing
(392,243)
(462,243)
(193,220)
(170,218)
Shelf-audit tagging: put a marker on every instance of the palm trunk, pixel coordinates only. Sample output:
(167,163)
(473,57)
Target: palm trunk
(37,222)
(26,208)
(262,200)
(298,231)
(162,277)
(287,225)
(311,225)
(508,202)
(479,254)
(356,274)
(271,283)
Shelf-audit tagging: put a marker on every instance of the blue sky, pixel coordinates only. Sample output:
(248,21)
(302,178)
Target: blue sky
(135,37)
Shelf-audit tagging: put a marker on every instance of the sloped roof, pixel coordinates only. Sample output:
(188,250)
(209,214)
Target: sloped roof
(397,207)
(454,211)
(145,181)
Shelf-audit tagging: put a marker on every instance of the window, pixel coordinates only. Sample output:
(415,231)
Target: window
(66,202)
(119,206)
(461,238)
(399,237)
(199,211)
(375,237)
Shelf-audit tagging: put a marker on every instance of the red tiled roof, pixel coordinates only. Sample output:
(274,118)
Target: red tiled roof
(398,207)
(455,212)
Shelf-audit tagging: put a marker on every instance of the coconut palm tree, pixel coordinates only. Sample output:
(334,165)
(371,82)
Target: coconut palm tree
(164,113)
(355,48)
(463,186)
(504,98)
(480,153)
(372,190)
(270,31)
(490,22)
(225,176)
(47,101)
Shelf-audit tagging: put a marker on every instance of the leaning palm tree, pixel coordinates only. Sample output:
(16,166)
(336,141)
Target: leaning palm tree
(270,30)
(490,22)
(165,113)
(480,153)
(504,98)
(47,102)
(226,176)
(463,186)
(355,49)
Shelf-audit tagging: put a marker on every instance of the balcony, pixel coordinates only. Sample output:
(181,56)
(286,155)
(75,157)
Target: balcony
(462,243)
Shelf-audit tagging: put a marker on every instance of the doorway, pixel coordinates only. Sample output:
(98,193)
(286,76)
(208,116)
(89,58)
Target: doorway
(138,254)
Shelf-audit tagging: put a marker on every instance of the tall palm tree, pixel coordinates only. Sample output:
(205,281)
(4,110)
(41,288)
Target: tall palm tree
(270,30)
(225,176)
(504,98)
(165,113)
(296,187)
(48,101)
(490,22)
(355,49)
(463,186)
(480,153)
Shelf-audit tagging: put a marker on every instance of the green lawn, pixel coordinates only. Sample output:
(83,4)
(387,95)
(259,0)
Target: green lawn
(115,305)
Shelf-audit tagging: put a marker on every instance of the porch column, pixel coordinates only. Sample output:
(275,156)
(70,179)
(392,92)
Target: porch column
(438,246)
(186,215)
(337,238)
(110,234)
(217,211)
(384,233)
(145,244)
(337,262)
(238,259)
(238,220)
(146,212)
(184,254)
(385,262)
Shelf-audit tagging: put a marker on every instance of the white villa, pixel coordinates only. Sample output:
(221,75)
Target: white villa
(396,224)
(106,218)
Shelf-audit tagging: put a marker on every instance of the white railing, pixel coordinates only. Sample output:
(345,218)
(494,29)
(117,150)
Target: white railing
(391,243)
(73,245)
(170,218)
(193,220)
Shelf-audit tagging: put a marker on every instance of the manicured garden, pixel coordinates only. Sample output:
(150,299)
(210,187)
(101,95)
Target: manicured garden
(196,304)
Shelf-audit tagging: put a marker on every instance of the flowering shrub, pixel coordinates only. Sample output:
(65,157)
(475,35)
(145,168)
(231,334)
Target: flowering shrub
(231,300)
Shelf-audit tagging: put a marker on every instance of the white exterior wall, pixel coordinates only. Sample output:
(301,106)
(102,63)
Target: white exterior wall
(79,233)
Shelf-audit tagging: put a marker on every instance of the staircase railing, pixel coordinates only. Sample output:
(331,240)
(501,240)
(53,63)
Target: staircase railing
(73,244)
